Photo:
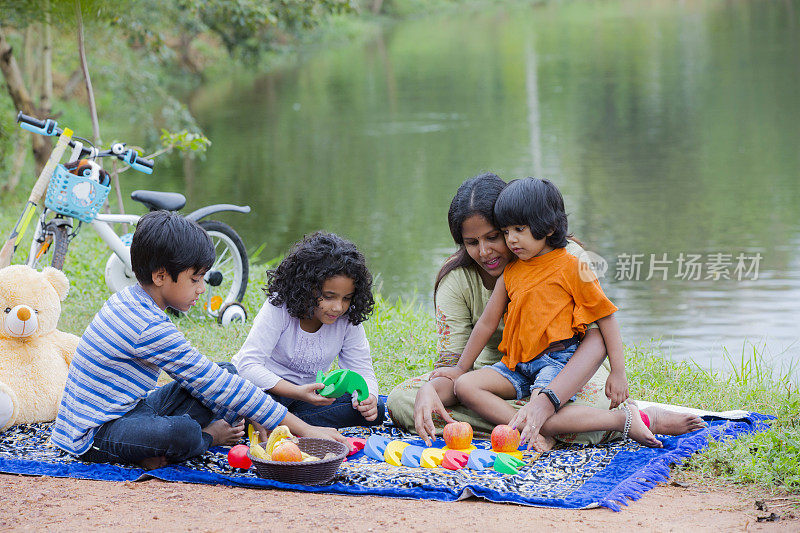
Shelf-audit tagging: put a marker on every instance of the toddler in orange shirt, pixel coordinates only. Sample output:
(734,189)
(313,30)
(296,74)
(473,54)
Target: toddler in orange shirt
(548,297)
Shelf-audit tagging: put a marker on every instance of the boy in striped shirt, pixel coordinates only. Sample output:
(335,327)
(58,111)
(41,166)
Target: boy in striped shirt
(112,411)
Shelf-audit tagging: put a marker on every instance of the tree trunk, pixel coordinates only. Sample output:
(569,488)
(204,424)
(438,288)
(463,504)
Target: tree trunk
(46,101)
(15,85)
(86,77)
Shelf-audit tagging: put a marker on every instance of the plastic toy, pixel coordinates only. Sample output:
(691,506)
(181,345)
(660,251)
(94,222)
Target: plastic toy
(393,452)
(375,447)
(507,464)
(356,445)
(471,448)
(481,459)
(455,459)
(431,457)
(412,456)
(237,457)
(341,382)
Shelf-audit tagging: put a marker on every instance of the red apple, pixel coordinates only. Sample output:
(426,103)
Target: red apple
(505,439)
(237,457)
(458,435)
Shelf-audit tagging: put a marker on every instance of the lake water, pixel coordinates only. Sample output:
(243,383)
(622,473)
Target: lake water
(672,129)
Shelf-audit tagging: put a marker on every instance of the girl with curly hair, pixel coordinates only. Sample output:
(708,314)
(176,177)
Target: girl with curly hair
(317,299)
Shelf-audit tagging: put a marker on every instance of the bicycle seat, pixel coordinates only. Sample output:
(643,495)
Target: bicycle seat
(154,200)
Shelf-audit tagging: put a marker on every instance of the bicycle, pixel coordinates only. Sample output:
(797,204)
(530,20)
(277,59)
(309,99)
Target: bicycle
(78,191)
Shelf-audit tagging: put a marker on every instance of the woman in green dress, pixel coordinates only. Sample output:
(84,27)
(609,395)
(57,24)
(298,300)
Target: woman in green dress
(463,287)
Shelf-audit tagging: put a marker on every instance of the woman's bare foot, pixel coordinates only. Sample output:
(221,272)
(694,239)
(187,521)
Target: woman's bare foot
(543,444)
(638,431)
(664,422)
(224,434)
(151,463)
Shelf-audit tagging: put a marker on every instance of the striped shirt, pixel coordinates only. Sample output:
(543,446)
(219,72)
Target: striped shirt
(118,360)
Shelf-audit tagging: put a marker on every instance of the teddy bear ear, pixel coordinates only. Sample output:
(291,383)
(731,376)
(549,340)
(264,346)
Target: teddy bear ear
(58,280)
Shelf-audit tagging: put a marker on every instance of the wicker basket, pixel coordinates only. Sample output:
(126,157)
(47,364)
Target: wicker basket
(310,473)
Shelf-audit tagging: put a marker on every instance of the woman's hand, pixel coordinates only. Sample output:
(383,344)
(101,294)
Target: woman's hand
(450,372)
(531,417)
(368,408)
(308,394)
(426,403)
(617,387)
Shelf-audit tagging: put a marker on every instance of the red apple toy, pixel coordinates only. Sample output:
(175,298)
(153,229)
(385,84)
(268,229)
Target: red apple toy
(237,456)
(458,435)
(505,439)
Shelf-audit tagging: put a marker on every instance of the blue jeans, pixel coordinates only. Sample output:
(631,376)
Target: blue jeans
(536,373)
(166,423)
(339,414)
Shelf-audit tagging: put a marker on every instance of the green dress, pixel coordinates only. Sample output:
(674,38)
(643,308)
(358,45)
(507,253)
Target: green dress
(460,300)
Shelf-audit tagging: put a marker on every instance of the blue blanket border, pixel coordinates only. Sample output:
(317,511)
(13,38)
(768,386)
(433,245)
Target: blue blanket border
(639,470)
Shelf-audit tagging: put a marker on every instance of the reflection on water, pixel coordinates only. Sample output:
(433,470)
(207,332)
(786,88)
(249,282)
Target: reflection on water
(671,128)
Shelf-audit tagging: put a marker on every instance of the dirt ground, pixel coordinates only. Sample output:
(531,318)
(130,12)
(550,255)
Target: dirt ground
(34,503)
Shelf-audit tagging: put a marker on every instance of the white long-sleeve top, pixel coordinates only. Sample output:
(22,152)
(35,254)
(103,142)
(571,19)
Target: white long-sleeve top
(278,348)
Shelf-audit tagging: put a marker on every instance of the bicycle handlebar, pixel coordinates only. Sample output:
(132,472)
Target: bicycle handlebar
(49,128)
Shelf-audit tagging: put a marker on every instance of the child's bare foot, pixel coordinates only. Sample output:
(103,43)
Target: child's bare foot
(666,422)
(543,444)
(151,463)
(638,431)
(224,434)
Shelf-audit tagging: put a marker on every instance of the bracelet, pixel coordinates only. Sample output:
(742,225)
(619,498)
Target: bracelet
(552,397)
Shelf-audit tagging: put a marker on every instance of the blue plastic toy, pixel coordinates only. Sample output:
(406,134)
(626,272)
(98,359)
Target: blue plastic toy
(481,459)
(375,447)
(412,456)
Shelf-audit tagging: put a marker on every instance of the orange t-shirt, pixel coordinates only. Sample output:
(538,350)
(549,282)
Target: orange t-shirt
(549,302)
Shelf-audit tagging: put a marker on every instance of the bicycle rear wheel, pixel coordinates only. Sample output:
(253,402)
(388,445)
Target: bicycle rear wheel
(226,280)
(52,250)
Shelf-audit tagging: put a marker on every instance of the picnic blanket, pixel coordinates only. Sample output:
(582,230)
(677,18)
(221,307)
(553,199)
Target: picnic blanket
(575,477)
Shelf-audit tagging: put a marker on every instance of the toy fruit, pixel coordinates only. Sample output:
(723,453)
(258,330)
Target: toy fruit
(343,381)
(356,445)
(457,435)
(455,460)
(237,457)
(431,457)
(412,455)
(287,451)
(506,464)
(505,439)
(394,452)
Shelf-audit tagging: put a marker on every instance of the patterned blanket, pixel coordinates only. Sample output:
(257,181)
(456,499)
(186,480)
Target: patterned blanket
(574,477)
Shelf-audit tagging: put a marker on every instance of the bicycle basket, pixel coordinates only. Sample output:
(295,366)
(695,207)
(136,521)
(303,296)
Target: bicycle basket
(75,196)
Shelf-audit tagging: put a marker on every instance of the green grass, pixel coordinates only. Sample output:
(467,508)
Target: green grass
(402,336)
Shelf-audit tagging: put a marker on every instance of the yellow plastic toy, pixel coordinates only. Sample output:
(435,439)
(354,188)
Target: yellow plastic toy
(394,452)
(432,457)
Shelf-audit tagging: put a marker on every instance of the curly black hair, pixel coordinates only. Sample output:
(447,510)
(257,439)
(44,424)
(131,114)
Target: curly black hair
(297,282)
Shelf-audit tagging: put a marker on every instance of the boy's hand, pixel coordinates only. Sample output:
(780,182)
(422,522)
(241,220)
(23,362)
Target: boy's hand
(368,408)
(308,394)
(320,432)
(617,388)
(450,372)
(263,432)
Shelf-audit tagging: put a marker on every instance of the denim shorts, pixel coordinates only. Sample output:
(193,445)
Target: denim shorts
(536,373)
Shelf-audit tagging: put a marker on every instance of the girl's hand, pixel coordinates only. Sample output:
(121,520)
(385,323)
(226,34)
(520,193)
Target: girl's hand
(368,408)
(308,393)
(617,388)
(262,431)
(531,417)
(450,372)
(426,403)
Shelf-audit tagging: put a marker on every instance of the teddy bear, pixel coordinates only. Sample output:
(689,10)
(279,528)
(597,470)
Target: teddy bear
(34,355)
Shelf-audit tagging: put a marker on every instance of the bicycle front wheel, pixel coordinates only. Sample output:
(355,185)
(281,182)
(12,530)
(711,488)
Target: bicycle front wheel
(53,248)
(226,281)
